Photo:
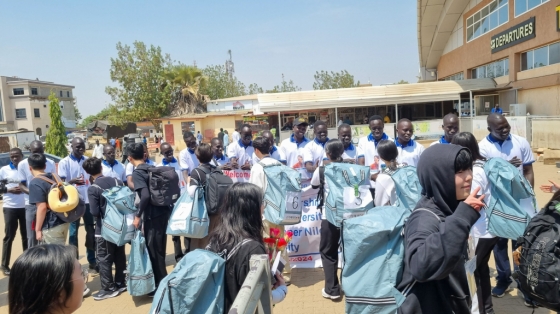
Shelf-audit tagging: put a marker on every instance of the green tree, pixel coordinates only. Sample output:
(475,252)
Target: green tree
(332,80)
(143,93)
(102,115)
(220,84)
(56,135)
(77,114)
(186,82)
(402,82)
(285,87)
(254,89)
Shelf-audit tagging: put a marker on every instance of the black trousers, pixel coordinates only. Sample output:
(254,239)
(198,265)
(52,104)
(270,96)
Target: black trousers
(330,236)
(179,252)
(13,216)
(156,241)
(108,254)
(482,274)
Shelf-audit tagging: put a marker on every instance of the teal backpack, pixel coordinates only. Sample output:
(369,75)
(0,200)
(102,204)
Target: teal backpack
(116,227)
(196,284)
(189,217)
(282,198)
(121,197)
(349,195)
(407,186)
(511,193)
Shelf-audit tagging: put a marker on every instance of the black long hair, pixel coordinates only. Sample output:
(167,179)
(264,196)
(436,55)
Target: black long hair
(334,149)
(388,151)
(38,278)
(467,139)
(241,217)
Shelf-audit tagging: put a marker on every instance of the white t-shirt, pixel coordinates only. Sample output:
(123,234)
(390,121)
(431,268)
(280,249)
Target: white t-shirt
(440,141)
(258,177)
(71,168)
(292,153)
(130,167)
(188,160)
(275,153)
(221,161)
(368,144)
(98,151)
(235,136)
(409,154)
(175,164)
(385,192)
(11,174)
(25,175)
(116,171)
(514,146)
(243,153)
(314,152)
(352,152)
(480,227)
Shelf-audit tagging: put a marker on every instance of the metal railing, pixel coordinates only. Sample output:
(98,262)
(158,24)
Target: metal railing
(255,293)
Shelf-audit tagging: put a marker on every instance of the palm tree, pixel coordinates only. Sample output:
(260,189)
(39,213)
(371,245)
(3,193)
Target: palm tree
(187,81)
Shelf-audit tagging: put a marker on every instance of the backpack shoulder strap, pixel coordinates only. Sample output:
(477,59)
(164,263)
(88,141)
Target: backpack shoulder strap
(427,210)
(236,248)
(45,179)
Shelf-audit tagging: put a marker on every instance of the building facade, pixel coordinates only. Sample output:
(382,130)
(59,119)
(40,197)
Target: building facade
(515,42)
(24,104)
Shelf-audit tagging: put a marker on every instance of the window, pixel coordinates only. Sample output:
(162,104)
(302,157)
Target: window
(488,18)
(68,94)
(455,77)
(540,57)
(60,93)
(20,114)
(36,113)
(39,132)
(18,91)
(491,70)
(522,6)
(34,91)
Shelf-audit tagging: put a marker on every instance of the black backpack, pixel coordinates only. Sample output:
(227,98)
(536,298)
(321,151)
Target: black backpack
(215,188)
(539,268)
(164,185)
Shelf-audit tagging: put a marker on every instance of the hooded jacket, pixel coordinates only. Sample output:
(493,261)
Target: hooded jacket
(436,249)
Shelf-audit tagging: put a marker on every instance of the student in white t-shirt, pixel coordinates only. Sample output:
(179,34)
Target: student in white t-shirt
(219,159)
(385,192)
(500,143)
(110,166)
(314,151)
(352,153)
(330,234)
(450,127)
(409,150)
(258,178)
(187,157)
(484,240)
(240,152)
(291,149)
(368,144)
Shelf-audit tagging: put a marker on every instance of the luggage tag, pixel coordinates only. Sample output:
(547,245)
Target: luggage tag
(358,199)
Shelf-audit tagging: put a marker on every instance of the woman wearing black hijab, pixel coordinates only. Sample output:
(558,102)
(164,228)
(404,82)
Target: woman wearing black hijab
(437,232)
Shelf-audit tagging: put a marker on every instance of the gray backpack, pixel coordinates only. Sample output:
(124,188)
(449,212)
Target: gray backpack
(164,186)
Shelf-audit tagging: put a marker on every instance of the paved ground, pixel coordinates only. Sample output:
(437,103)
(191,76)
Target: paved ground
(304,294)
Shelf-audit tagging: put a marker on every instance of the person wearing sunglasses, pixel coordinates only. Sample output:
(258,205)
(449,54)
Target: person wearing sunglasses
(46,279)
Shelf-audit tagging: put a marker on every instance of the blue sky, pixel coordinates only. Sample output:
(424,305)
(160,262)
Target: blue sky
(71,42)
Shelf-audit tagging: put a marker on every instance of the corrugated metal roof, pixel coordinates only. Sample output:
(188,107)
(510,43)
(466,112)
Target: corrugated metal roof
(371,95)
(208,114)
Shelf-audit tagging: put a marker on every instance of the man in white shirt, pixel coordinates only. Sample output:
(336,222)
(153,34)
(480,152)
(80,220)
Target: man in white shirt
(291,149)
(450,127)
(70,170)
(170,161)
(258,178)
(240,152)
(368,144)
(219,159)
(97,150)
(25,176)
(235,136)
(13,208)
(409,150)
(314,151)
(500,143)
(352,154)
(187,158)
(110,166)
(130,168)
(274,152)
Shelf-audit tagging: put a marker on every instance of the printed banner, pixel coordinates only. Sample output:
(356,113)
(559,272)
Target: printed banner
(303,250)
(238,175)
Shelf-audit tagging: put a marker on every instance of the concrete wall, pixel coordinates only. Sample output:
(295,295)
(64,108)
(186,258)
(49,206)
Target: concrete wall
(545,133)
(541,101)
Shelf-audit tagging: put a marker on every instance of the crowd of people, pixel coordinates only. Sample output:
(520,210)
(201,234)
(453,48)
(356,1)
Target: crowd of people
(453,187)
